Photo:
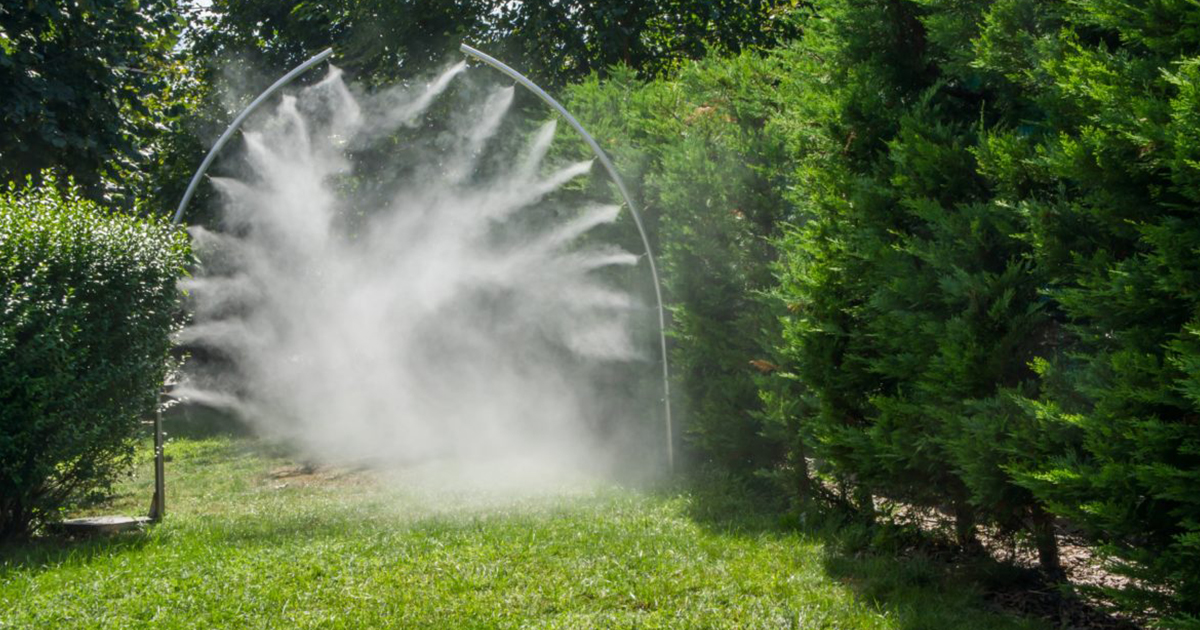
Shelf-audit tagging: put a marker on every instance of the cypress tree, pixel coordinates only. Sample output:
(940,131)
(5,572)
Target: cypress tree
(915,303)
(1106,174)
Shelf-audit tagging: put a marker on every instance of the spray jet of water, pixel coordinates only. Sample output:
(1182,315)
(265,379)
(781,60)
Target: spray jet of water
(278,336)
(637,219)
(237,123)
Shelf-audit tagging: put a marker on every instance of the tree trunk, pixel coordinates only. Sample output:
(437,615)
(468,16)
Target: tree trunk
(964,527)
(864,502)
(804,487)
(1047,544)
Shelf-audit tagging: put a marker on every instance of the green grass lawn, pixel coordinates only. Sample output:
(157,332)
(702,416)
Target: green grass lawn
(242,549)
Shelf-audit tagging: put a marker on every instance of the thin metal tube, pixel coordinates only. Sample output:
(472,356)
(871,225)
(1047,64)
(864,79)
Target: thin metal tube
(637,219)
(158,507)
(237,122)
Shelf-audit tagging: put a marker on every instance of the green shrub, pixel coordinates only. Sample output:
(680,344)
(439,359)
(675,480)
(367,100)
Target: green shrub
(913,307)
(989,282)
(709,172)
(88,304)
(993,289)
(1107,171)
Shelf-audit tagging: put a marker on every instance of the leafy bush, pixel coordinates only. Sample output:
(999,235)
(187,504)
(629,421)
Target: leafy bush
(709,173)
(984,215)
(913,308)
(88,306)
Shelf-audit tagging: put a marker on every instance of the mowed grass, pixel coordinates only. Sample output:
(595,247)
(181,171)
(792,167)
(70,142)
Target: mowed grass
(243,549)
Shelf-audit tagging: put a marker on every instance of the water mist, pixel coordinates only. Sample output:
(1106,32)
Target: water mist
(450,311)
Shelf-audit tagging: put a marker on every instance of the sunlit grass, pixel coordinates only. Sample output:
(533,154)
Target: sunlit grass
(242,549)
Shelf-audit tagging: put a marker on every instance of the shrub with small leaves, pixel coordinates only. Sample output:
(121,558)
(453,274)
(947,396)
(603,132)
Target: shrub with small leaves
(88,303)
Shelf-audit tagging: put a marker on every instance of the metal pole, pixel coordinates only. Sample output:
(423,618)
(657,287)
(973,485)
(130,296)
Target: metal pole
(637,219)
(237,122)
(158,507)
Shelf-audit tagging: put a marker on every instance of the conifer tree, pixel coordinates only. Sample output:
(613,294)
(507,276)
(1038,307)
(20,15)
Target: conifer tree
(916,311)
(1106,172)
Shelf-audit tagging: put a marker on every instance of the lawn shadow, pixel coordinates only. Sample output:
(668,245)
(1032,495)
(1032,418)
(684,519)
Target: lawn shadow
(916,579)
(49,550)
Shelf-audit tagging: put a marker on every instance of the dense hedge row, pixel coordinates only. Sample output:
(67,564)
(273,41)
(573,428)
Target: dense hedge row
(710,181)
(987,295)
(87,306)
(995,278)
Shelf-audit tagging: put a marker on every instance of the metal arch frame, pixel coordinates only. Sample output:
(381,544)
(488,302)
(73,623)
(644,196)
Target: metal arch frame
(502,67)
(637,219)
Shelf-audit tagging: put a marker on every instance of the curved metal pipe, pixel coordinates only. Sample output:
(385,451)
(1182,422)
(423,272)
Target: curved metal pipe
(637,219)
(237,122)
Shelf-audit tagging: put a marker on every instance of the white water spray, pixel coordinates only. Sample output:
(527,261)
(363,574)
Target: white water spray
(440,320)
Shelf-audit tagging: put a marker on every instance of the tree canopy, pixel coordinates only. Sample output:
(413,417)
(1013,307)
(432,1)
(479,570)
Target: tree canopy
(81,84)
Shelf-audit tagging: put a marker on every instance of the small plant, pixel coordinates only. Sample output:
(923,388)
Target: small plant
(88,303)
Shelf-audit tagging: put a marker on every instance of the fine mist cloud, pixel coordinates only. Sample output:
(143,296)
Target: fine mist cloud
(456,314)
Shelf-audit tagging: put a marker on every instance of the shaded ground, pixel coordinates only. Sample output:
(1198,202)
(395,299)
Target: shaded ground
(915,568)
(253,540)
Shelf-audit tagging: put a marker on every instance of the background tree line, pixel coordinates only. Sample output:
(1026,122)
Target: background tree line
(937,252)
(126,96)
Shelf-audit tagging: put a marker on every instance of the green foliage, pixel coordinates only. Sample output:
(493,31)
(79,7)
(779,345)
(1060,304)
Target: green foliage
(377,41)
(992,284)
(913,307)
(82,81)
(88,305)
(561,40)
(708,172)
(554,41)
(1106,176)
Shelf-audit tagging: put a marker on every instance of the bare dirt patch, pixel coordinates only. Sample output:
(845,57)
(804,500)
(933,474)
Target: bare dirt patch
(301,475)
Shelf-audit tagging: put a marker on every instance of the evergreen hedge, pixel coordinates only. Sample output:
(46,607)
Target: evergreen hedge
(983,222)
(993,282)
(915,305)
(87,307)
(709,174)
(1107,178)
